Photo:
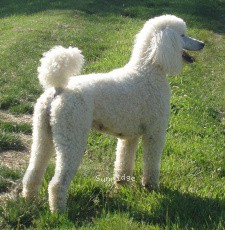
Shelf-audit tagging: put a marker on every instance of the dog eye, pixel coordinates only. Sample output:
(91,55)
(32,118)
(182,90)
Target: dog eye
(182,35)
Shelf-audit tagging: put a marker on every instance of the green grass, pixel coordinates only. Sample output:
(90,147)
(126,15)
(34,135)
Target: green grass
(9,135)
(7,177)
(193,165)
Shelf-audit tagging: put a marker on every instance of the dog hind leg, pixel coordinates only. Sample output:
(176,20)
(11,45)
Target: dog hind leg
(70,127)
(41,151)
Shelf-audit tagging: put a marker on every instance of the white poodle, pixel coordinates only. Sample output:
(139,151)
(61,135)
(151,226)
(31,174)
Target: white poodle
(129,103)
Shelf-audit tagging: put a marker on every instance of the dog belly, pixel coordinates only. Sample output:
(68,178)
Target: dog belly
(120,132)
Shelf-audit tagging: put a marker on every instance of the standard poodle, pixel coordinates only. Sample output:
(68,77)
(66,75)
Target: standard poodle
(128,103)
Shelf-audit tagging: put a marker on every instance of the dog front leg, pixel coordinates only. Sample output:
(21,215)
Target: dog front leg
(152,151)
(125,157)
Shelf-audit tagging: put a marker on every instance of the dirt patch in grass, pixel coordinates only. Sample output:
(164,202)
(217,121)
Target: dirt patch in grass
(13,158)
(16,118)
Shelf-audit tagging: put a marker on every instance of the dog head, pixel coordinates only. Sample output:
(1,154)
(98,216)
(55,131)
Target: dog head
(168,43)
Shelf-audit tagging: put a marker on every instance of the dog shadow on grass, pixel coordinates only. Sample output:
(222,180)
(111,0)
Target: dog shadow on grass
(173,207)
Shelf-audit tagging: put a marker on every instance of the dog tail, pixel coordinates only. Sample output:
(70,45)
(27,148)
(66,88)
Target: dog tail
(58,65)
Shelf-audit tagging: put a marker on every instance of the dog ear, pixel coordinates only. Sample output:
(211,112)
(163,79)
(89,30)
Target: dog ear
(166,51)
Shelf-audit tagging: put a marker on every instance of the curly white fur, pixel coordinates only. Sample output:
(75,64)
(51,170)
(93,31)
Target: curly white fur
(58,64)
(129,103)
(155,41)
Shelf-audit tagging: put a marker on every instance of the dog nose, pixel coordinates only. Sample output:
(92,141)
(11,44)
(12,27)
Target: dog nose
(192,44)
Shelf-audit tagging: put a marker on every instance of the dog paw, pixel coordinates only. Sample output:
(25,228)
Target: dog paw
(151,187)
(29,194)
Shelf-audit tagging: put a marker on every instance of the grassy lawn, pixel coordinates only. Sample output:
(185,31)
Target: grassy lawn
(192,194)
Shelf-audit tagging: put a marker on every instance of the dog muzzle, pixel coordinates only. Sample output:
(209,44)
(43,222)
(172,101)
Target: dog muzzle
(190,44)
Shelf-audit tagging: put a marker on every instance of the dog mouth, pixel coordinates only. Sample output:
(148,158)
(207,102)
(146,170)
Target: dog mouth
(187,58)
